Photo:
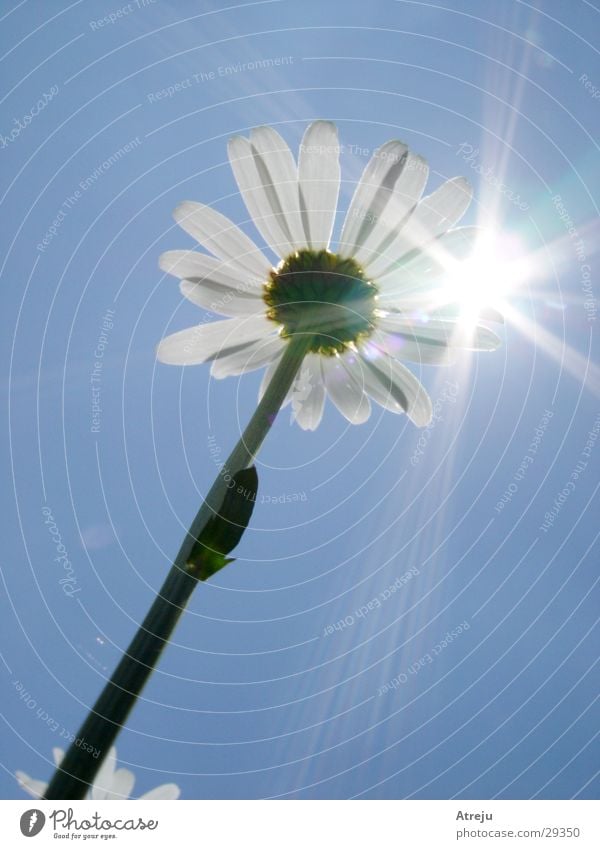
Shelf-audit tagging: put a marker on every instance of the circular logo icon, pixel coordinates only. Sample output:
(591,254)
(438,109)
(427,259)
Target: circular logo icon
(32,822)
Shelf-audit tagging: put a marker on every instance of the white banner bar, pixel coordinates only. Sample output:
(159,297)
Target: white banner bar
(303,824)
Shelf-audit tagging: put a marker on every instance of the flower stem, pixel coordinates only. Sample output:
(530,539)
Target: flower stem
(98,732)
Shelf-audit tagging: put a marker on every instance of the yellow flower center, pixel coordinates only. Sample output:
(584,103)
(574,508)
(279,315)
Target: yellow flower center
(325,295)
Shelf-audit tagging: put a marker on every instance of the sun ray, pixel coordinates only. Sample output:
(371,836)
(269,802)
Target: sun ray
(576,364)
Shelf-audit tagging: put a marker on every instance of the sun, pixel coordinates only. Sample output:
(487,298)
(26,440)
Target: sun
(483,283)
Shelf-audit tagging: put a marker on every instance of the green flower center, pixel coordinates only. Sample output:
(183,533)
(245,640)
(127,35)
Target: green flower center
(323,294)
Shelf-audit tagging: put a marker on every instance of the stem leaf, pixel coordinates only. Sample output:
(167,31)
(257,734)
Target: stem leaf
(225,528)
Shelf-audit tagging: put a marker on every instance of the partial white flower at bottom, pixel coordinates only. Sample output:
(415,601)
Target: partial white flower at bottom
(110,782)
(377,299)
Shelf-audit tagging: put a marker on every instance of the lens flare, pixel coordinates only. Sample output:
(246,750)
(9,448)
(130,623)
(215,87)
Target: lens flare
(485,281)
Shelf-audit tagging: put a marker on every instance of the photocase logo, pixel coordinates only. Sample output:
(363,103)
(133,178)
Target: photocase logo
(32,822)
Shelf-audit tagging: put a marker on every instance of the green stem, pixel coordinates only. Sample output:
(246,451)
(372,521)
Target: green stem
(98,732)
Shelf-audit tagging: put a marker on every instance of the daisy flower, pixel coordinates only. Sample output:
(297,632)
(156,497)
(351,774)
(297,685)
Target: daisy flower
(109,783)
(373,301)
(322,322)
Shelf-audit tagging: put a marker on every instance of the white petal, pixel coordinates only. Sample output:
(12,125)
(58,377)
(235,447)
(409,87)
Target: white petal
(31,785)
(405,196)
(422,351)
(210,284)
(259,196)
(221,299)
(319,178)
(122,784)
(217,338)
(401,388)
(479,338)
(436,213)
(454,312)
(164,791)
(372,194)
(428,267)
(380,392)
(443,333)
(221,237)
(279,164)
(346,394)
(191,265)
(249,358)
(102,784)
(308,393)
(440,331)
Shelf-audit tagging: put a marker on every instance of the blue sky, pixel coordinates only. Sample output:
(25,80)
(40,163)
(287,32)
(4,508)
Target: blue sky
(255,697)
